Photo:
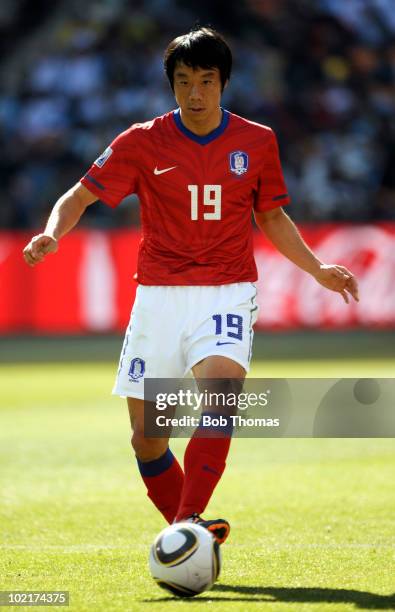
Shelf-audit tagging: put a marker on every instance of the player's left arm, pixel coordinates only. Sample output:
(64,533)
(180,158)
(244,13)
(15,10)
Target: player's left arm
(284,235)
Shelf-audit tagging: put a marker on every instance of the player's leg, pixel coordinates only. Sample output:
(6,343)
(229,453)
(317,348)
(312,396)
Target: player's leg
(219,349)
(159,469)
(206,453)
(151,351)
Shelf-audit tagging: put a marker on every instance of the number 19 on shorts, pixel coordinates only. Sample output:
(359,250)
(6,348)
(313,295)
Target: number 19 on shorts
(211,197)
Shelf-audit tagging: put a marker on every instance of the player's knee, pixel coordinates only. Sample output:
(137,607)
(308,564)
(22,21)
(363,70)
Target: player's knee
(147,449)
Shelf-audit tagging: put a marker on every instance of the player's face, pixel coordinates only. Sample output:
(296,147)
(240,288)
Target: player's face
(198,94)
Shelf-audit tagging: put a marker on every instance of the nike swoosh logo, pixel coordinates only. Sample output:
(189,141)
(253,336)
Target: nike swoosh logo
(221,343)
(157,172)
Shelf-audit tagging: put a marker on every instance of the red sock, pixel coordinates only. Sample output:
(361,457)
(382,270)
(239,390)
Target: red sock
(204,463)
(164,480)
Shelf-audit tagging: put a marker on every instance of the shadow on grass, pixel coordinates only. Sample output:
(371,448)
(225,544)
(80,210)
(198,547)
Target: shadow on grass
(363,600)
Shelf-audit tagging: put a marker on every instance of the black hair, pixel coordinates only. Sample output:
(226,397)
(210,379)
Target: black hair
(200,48)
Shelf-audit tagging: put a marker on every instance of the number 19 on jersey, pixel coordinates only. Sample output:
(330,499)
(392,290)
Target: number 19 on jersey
(211,197)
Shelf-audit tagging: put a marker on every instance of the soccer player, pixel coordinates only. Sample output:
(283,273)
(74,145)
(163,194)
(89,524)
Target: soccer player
(199,171)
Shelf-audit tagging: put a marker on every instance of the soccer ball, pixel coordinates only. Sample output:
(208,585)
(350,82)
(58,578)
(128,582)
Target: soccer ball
(185,559)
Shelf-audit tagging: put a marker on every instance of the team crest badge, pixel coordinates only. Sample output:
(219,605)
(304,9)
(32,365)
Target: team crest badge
(238,162)
(137,369)
(103,157)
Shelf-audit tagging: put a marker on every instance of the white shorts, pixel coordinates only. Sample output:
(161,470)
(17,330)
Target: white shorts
(172,328)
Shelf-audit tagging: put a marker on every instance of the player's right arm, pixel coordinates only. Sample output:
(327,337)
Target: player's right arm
(64,216)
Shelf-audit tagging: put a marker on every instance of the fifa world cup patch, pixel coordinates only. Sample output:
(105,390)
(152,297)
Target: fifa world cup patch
(238,162)
(136,369)
(103,157)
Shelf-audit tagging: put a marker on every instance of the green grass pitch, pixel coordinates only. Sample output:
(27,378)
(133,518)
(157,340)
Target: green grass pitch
(313,520)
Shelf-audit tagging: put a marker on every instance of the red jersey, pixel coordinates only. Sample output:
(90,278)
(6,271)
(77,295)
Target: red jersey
(196,194)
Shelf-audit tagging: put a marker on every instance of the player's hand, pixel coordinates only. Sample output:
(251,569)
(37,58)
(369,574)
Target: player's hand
(38,248)
(338,278)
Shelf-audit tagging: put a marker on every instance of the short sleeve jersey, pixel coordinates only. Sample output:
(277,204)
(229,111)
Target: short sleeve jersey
(196,195)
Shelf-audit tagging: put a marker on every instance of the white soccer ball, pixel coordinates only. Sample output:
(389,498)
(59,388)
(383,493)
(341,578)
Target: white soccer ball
(185,559)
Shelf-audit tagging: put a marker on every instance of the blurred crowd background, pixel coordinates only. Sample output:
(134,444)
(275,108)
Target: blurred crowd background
(321,73)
